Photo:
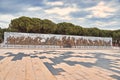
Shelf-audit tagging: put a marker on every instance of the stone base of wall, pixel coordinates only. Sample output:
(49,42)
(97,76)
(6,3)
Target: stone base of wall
(53,47)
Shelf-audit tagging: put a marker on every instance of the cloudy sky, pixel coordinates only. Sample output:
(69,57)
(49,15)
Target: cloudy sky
(104,14)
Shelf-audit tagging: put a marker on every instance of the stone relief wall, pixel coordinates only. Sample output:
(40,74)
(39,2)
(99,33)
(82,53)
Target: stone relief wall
(14,38)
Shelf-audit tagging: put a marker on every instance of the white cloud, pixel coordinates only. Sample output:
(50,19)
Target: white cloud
(3,25)
(57,3)
(61,11)
(111,25)
(104,24)
(34,8)
(5,20)
(82,19)
(101,10)
(55,18)
(6,17)
(65,18)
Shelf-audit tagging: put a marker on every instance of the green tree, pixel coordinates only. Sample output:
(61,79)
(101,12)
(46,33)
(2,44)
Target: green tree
(47,26)
(36,25)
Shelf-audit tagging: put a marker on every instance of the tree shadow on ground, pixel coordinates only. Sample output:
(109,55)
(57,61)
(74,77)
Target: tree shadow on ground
(101,61)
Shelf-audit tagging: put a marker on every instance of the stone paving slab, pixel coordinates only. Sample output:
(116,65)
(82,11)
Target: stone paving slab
(21,64)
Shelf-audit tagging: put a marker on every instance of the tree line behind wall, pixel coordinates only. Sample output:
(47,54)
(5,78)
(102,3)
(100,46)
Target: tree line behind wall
(37,25)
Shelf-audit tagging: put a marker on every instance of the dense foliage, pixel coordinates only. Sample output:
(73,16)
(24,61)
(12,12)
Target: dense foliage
(36,25)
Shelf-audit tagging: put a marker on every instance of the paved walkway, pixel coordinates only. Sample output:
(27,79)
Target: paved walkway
(59,65)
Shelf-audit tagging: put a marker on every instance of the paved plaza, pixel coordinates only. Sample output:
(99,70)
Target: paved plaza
(51,64)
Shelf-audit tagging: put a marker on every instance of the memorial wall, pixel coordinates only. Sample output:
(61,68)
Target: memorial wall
(64,41)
